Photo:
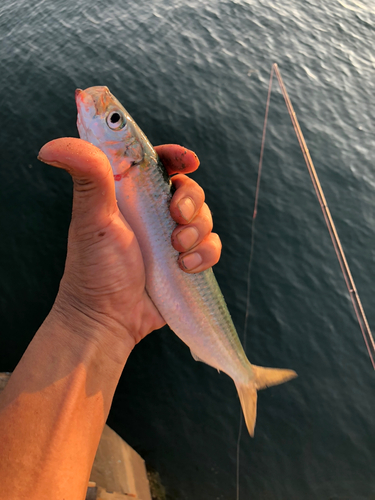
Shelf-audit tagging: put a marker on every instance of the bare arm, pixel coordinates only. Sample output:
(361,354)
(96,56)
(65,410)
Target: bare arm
(54,407)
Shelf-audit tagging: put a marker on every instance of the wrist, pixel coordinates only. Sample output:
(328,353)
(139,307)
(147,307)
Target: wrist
(54,407)
(86,329)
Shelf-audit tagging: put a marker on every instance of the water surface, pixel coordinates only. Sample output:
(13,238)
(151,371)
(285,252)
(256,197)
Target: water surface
(196,73)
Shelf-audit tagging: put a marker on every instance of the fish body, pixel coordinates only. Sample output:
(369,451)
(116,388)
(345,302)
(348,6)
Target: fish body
(191,304)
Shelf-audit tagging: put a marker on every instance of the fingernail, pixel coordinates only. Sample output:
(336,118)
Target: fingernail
(188,237)
(191,261)
(41,159)
(187,208)
(53,163)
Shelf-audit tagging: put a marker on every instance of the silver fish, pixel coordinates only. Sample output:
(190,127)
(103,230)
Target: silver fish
(191,304)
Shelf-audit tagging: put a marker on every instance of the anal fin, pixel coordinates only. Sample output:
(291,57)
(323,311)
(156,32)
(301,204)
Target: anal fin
(197,358)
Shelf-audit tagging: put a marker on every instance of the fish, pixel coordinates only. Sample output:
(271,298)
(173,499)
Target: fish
(191,304)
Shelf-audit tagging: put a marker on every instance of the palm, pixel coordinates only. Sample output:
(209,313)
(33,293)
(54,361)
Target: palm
(104,276)
(106,267)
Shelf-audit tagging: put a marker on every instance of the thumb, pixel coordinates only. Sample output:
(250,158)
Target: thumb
(94,191)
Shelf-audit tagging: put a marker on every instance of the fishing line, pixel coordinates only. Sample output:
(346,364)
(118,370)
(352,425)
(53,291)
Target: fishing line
(249,269)
(348,278)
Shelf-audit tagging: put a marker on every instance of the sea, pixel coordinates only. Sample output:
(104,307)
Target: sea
(196,73)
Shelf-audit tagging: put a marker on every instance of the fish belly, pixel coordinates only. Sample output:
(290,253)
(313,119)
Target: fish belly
(191,304)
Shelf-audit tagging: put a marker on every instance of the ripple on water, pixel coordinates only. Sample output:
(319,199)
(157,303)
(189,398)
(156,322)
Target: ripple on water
(197,74)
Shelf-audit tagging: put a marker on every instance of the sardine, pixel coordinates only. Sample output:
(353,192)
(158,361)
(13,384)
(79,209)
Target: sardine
(191,304)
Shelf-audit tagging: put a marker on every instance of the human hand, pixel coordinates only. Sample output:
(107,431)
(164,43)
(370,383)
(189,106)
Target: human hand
(104,277)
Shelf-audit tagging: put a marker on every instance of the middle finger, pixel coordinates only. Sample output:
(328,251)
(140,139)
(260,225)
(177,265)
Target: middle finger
(187,200)
(187,236)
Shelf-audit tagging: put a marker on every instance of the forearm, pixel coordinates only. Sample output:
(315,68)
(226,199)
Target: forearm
(54,407)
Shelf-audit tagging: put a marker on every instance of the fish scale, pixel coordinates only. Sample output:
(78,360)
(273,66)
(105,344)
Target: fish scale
(191,304)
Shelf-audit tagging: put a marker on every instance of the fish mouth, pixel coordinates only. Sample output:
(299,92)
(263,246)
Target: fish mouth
(85,113)
(98,98)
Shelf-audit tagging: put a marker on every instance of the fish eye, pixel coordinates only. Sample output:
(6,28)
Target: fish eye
(116,120)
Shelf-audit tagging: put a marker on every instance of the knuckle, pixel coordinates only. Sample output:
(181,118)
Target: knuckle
(200,192)
(216,240)
(207,218)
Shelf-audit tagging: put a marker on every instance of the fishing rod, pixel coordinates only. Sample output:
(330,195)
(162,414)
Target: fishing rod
(349,281)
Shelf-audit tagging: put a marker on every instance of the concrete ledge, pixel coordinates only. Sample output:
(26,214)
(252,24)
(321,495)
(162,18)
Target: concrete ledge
(118,469)
(118,472)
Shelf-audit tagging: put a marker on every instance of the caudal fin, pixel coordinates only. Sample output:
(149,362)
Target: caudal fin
(263,377)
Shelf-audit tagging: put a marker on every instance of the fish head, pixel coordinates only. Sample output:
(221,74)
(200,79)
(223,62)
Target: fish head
(103,121)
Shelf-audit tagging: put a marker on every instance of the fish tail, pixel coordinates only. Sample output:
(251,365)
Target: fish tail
(263,378)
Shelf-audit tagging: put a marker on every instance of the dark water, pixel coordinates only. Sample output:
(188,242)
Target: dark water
(196,73)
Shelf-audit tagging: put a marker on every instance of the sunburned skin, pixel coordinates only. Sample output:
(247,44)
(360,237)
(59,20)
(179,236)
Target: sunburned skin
(58,398)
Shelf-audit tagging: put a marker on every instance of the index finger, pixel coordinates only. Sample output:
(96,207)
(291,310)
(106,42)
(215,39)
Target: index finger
(177,159)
